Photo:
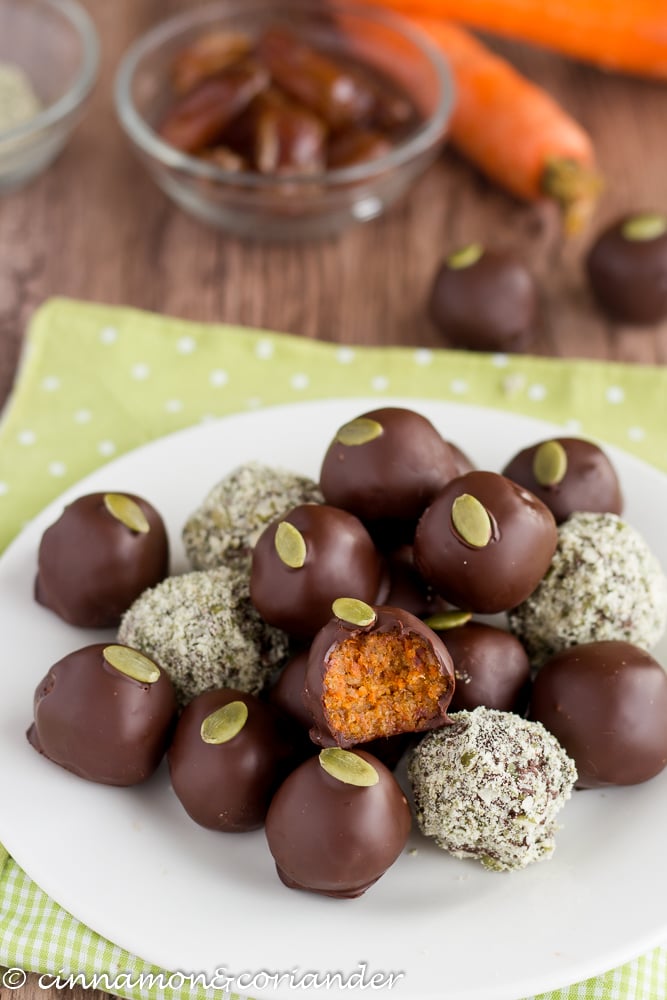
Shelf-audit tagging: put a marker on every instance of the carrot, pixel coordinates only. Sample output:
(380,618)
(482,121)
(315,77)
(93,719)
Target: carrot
(512,130)
(628,36)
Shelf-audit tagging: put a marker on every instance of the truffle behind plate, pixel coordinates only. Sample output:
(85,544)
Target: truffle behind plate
(489,787)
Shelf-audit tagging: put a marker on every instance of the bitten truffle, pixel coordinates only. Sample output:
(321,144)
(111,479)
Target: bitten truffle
(568,475)
(305,560)
(104,712)
(606,704)
(375,672)
(204,631)
(337,823)
(603,583)
(485,542)
(490,787)
(101,553)
(229,754)
(627,268)
(227,524)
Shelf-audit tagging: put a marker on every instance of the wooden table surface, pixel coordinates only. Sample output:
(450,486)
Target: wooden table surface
(95,227)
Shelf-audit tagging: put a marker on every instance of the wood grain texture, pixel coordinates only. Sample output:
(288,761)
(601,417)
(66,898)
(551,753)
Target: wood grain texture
(95,227)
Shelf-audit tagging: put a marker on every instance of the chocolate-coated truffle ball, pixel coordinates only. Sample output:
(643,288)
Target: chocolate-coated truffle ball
(305,560)
(375,672)
(484,300)
(104,712)
(490,786)
(627,268)
(386,466)
(101,553)
(407,588)
(606,704)
(568,475)
(337,823)
(603,583)
(491,668)
(229,754)
(485,542)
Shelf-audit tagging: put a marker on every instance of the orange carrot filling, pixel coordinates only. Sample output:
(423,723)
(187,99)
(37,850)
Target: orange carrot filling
(380,684)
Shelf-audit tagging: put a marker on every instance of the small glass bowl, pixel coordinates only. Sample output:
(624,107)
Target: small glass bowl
(252,205)
(54,42)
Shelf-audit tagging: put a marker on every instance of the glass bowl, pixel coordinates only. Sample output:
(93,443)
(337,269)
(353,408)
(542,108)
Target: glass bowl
(54,43)
(287,206)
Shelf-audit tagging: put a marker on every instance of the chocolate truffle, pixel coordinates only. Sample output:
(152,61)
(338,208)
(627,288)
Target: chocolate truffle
(603,583)
(491,667)
(204,631)
(484,300)
(227,524)
(101,553)
(568,475)
(305,560)
(606,704)
(375,672)
(337,823)
(485,542)
(627,268)
(407,588)
(229,754)
(104,712)
(386,466)
(490,786)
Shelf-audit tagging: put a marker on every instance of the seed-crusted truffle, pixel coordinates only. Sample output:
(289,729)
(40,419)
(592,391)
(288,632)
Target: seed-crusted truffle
(203,630)
(234,514)
(490,786)
(603,583)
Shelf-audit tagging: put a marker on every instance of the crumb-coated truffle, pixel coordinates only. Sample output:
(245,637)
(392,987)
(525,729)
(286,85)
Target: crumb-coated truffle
(231,518)
(101,553)
(104,712)
(337,823)
(386,465)
(375,672)
(305,560)
(204,631)
(603,583)
(485,542)
(568,474)
(229,754)
(489,787)
(606,704)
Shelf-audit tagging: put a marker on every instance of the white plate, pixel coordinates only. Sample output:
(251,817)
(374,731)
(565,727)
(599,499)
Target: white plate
(131,865)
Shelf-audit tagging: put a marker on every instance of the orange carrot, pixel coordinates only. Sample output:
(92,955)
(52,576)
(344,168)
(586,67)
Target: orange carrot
(629,36)
(512,130)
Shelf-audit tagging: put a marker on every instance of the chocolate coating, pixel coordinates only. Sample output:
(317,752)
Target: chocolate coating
(333,838)
(491,668)
(407,589)
(228,786)
(590,482)
(91,566)
(489,305)
(628,277)
(505,571)
(392,477)
(99,723)
(340,558)
(606,704)
(401,627)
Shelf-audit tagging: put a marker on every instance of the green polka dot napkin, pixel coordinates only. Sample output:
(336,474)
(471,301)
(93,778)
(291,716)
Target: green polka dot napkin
(97,381)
